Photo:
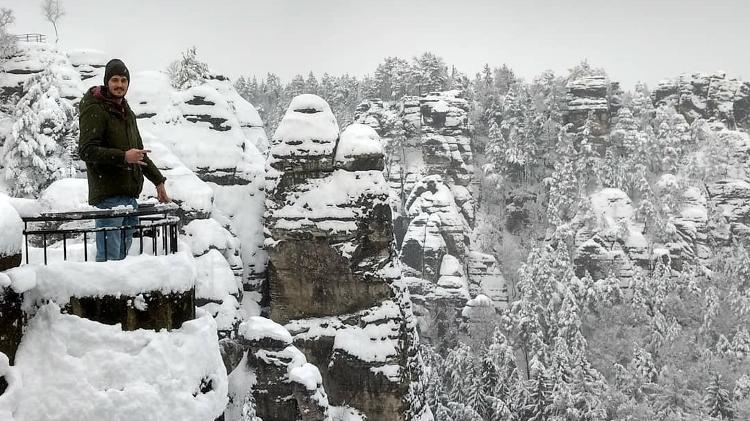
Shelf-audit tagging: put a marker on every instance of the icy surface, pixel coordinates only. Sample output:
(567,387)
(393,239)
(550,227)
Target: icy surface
(77,369)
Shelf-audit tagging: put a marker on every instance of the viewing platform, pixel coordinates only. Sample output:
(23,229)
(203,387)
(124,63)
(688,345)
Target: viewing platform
(51,261)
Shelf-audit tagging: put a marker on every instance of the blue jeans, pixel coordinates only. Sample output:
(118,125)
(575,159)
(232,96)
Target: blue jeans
(117,249)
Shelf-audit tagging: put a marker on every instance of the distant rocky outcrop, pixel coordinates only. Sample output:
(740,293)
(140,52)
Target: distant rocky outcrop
(709,96)
(430,170)
(593,98)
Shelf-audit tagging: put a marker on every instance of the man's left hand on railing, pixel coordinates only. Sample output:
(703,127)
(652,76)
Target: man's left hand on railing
(161,194)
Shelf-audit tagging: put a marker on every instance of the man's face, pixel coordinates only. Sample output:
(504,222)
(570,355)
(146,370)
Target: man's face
(118,86)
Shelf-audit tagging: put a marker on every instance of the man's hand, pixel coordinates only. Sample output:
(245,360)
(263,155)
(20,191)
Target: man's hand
(135,156)
(161,194)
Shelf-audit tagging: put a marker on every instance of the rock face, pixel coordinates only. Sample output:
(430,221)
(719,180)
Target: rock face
(332,278)
(708,96)
(608,240)
(285,386)
(593,97)
(733,198)
(430,168)
(219,138)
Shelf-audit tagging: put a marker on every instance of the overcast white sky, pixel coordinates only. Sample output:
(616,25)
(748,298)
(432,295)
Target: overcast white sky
(632,39)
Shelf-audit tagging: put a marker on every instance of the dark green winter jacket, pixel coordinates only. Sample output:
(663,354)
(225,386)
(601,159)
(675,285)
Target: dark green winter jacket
(107,130)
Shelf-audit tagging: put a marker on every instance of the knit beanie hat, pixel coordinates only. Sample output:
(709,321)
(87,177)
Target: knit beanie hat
(115,67)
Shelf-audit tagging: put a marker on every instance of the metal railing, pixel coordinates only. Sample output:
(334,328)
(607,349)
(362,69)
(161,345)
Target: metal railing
(153,221)
(31,37)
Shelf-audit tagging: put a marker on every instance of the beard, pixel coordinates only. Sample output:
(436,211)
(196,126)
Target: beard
(118,93)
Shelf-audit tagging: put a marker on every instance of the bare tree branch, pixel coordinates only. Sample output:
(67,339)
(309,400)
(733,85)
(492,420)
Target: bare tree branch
(53,11)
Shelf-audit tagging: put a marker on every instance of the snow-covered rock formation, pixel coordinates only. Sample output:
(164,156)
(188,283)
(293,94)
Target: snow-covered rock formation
(333,278)
(429,167)
(210,144)
(709,96)
(594,99)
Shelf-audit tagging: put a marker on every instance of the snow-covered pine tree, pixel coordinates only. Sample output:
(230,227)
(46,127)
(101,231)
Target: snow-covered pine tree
(392,78)
(428,74)
(189,71)
(717,400)
(539,404)
(643,107)
(504,78)
(311,84)
(296,86)
(35,152)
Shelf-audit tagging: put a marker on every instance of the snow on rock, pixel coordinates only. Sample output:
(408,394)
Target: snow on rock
(14,385)
(306,375)
(357,343)
(611,240)
(241,382)
(194,196)
(307,121)
(206,234)
(345,413)
(359,149)
(711,96)
(33,58)
(329,239)
(612,205)
(215,279)
(25,207)
(732,197)
(89,63)
(243,205)
(486,277)
(451,266)
(11,227)
(593,94)
(480,308)
(257,328)
(73,368)
(333,204)
(306,136)
(59,281)
(285,386)
(66,195)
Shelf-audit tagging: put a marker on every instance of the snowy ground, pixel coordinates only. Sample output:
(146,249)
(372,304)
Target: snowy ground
(69,368)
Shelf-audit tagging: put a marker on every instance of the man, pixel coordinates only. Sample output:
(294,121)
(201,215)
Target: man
(116,161)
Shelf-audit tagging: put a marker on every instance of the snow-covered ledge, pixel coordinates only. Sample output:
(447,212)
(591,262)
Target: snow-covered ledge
(140,292)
